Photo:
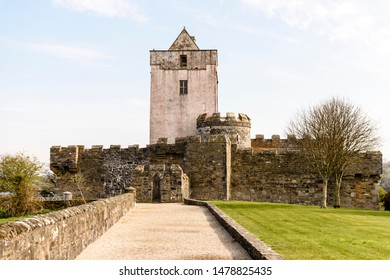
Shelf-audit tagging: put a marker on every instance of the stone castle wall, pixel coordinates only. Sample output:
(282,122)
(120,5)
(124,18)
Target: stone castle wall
(61,235)
(207,165)
(160,183)
(212,166)
(100,172)
(111,171)
(285,177)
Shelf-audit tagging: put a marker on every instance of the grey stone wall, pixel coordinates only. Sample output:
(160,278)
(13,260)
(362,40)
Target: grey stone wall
(207,165)
(108,172)
(275,144)
(285,177)
(160,183)
(272,171)
(61,235)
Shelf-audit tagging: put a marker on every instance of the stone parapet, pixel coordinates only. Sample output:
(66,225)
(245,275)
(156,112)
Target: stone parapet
(65,158)
(275,143)
(62,235)
(238,128)
(196,59)
(205,120)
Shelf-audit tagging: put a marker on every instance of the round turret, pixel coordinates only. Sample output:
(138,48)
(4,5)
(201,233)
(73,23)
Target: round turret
(238,129)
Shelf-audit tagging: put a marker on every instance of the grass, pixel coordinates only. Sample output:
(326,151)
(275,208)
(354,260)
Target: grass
(13,219)
(311,233)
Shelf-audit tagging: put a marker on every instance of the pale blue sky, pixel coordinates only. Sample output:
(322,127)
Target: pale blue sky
(77,71)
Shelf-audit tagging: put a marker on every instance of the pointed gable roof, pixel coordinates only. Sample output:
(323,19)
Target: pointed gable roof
(184,42)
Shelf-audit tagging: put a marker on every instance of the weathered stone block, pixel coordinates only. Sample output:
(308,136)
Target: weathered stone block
(62,234)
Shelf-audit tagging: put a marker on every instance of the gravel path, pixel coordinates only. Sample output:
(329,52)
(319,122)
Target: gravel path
(166,231)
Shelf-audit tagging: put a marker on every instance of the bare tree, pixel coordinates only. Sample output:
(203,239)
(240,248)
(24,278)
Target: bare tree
(81,185)
(354,134)
(331,136)
(308,129)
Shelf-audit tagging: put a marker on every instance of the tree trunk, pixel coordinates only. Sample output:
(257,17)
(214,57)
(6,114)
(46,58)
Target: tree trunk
(324,193)
(82,194)
(339,178)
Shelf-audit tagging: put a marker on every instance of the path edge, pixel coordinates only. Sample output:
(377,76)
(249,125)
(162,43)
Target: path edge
(256,248)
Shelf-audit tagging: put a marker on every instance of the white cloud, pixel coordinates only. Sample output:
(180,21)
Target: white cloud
(266,33)
(105,8)
(70,52)
(338,20)
(74,53)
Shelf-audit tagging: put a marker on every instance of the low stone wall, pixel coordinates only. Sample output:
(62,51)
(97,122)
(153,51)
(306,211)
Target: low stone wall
(62,235)
(256,248)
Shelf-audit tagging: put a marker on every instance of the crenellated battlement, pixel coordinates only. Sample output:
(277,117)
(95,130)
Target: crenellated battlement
(73,151)
(65,158)
(242,120)
(274,139)
(237,128)
(70,155)
(277,144)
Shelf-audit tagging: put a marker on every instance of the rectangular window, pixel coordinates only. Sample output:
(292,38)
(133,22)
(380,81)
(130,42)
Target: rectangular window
(183,86)
(183,61)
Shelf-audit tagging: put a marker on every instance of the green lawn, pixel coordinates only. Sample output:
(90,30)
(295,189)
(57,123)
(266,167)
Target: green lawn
(309,232)
(13,219)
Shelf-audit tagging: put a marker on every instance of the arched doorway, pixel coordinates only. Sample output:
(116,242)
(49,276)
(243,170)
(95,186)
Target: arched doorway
(156,191)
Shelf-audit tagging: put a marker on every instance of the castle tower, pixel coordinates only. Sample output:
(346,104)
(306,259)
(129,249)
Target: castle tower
(184,84)
(238,129)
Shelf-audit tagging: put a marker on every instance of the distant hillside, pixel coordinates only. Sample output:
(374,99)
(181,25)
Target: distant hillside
(386,176)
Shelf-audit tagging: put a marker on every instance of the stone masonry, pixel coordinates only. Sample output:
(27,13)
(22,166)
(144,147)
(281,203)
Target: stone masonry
(209,166)
(197,153)
(62,235)
(160,183)
(183,84)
